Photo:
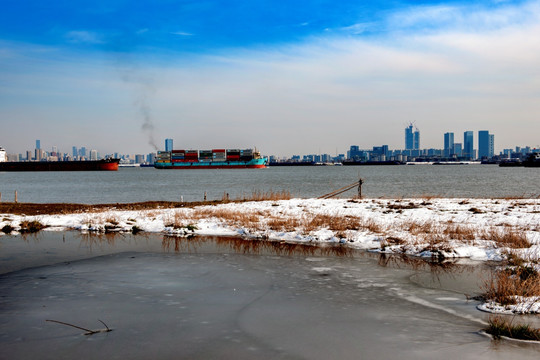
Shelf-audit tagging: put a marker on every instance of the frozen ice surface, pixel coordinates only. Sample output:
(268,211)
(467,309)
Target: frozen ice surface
(218,304)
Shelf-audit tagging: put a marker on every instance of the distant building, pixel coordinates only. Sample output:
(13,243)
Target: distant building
(468,145)
(412,138)
(448,144)
(139,159)
(83,152)
(168,144)
(458,149)
(486,144)
(93,155)
(416,140)
(74,151)
(38,144)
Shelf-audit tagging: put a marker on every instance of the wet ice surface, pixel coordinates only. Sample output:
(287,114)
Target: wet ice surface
(210,302)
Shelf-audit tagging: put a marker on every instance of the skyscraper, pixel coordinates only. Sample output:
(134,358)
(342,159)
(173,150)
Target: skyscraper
(38,144)
(448,144)
(168,144)
(468,145)
(486,144)
(412,138)
(416,139)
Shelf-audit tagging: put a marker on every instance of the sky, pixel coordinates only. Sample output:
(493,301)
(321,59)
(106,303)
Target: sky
(287,77)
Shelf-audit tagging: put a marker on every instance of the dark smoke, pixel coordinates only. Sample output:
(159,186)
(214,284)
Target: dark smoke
(148,125)
(143,89)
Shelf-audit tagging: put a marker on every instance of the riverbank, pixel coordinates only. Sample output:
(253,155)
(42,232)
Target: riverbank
(480,229)
(431,228)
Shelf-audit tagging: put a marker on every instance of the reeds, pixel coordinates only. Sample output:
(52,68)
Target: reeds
(259,195)
(504,286)
(31,226)
(507,236)
(499,327)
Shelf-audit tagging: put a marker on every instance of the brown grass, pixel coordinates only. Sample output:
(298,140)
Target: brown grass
(231,217)
(460,232)
(499,327)
(258,195)
(340,223)
(502,286)
(417,228)
(507,236)
(283,224)
(32,226)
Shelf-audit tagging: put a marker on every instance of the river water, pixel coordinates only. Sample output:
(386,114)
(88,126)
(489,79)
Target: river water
(206,298)
(149,184)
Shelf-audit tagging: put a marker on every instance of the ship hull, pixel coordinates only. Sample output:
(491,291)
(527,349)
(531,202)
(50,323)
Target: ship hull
(252,164)
(91,165)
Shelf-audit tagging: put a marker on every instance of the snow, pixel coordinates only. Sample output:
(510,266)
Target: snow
(411,226)
(424,227)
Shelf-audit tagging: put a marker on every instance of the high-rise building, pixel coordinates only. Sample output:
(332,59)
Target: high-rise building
(412,138)
(448,144)
(168,144)
(93,155)
(468,145)
(458,149)
(38,144)
(486,144)
(75,152)
(409,137)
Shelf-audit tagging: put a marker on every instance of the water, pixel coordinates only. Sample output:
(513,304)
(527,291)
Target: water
(171,298)
(148,184)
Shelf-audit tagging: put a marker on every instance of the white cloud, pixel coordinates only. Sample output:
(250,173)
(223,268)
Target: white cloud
(182,33)
(82,36)
(326,93)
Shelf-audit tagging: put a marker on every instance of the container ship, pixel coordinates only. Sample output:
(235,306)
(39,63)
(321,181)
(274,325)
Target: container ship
(210,159)
(89,165)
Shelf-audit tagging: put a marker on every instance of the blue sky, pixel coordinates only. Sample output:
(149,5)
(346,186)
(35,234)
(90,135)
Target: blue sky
(288,77)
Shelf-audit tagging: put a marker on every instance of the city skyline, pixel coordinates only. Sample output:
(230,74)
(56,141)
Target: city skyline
(412,150)
(289,78)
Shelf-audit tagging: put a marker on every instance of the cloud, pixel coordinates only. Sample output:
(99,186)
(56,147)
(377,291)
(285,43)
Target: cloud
(471,69)
(182,33)
(83,37)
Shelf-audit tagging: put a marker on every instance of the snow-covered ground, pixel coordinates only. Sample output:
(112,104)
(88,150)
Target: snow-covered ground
(479,229)
(470,228)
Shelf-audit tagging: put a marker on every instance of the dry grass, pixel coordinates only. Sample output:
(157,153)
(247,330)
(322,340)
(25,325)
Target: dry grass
(27,226)
(258,195)
(249,219)
(340,223)
(508,237)
(283,224)
(460,232)
(418,228)
(504,285)
(499,327)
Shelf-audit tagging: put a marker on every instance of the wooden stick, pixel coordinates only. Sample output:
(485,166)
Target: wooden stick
(88,331)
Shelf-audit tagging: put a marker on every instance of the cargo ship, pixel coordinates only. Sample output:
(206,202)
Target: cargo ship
(210,159)
(89,165)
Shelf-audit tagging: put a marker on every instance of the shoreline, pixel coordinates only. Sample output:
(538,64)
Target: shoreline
(481,229)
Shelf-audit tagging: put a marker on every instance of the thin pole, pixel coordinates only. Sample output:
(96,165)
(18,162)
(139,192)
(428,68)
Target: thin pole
(15,195)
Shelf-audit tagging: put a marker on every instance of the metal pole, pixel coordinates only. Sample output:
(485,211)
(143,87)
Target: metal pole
(15,195)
